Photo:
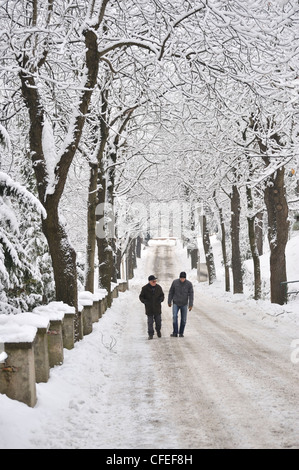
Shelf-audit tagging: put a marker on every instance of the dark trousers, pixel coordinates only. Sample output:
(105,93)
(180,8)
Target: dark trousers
(150,323)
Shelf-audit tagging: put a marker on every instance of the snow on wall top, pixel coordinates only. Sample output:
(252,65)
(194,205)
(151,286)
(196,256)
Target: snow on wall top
(24,318)
(86,298)
(13,333)
(54,310)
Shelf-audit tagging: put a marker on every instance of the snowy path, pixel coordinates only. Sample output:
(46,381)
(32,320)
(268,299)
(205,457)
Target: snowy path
(229,383)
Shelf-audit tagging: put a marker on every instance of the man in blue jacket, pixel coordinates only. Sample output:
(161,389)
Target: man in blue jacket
(181,294)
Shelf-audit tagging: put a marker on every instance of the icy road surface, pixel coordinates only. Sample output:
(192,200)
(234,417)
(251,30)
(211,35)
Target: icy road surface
(229,383)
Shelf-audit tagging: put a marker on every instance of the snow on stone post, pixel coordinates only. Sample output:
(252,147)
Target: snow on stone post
(41,354)
(85,300)
(55,314)
(17,372)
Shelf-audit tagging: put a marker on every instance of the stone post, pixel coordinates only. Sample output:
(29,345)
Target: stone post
(85,300)
(17,372)
(122,286)
(101,295)
(55,316)
(41,355)
(55,343)
(68,330)
(115,292)
(87,319)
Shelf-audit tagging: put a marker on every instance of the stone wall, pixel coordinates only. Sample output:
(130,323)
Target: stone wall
(32,343)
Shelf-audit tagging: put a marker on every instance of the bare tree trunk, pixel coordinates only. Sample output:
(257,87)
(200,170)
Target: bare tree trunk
(107,251)
(130,259)
(104,250)
(278,226)
(193,246)
(91,229)
(63,258)
(134,257)
(235,237)
(224,252)
(194,258)
(208,251)
(253,247)
(278,229)
(223,245)
(110,199)
(138,246)
(62,254)
(118,262)
(259,232)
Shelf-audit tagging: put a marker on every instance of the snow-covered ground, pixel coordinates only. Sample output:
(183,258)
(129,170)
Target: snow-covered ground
(117,390)
(289,312)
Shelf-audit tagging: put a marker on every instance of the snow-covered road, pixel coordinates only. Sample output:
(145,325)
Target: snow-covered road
(229,383)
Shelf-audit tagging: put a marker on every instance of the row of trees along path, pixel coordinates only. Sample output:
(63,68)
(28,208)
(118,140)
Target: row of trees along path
(148,101)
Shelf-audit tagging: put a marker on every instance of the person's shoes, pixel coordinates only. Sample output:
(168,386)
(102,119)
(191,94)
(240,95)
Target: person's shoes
(174,335)
(150,337)
(181,336)
(159,334)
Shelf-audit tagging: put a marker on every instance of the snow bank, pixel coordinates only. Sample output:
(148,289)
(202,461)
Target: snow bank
(292,260)
(287,313)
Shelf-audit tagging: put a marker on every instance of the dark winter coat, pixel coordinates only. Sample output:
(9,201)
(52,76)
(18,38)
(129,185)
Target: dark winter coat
(181,293)
(152,297)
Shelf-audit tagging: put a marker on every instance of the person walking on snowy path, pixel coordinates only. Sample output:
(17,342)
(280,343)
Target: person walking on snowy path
(182,294)
(152,296)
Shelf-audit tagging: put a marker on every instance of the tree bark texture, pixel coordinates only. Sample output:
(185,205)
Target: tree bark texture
(278,225)
(278,229)
(63,258)
(223,245)
(224,251)
(253,247)
(105,255)
(208,251)
(62,254)
(91,229)
(235,238)
(194,258)
(259,232)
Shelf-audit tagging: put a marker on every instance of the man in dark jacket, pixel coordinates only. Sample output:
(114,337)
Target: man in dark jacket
(152,296)
(181,293)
